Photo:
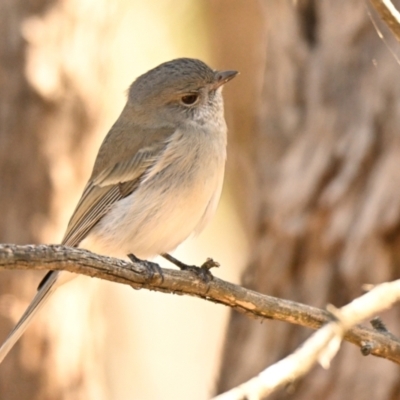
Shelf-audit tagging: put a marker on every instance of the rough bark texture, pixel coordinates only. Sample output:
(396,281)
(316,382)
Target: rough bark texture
(315,145)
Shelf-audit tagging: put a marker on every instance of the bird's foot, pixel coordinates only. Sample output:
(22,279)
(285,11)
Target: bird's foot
(153,268)
(202,272)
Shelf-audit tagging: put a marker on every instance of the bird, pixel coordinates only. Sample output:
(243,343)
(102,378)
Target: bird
(158,174)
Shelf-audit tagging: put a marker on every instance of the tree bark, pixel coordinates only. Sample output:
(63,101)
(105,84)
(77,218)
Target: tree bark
(315,145)
(46,122)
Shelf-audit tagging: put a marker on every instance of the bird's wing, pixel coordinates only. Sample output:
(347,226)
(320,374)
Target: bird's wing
(107,187)
(100,193)
(95,202)
(131,168)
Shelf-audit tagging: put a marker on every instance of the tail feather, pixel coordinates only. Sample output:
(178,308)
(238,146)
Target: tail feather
(44,292)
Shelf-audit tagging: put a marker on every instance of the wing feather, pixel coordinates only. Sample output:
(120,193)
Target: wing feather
(114,176)
(130,169)
(111,184)
(90,210)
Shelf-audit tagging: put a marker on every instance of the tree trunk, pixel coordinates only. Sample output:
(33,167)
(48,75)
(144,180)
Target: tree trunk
(315,151)
(46,122)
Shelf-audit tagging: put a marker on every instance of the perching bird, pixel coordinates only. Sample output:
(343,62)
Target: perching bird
(158,175)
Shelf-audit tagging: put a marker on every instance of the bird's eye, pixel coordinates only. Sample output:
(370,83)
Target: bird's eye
(189,99)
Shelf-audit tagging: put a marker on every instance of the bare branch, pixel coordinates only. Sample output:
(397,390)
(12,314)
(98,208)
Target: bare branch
(321,347)
(140,276)
(389,15)
(290,368)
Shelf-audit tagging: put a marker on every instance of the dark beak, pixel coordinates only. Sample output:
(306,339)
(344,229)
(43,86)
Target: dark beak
(222,77)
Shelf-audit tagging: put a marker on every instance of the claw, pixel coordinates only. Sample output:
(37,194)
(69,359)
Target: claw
(153,268)
(202,272)
(210,263)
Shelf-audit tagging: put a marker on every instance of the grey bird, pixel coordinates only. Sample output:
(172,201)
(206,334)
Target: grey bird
(157,177)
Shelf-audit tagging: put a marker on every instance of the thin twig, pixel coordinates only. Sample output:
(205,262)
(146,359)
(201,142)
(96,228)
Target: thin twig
(389,15)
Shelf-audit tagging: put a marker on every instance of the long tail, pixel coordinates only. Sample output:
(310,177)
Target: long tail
(45,290)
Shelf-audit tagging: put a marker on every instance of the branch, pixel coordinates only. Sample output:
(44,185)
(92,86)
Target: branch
(389,15)
(321,347)
(140,275)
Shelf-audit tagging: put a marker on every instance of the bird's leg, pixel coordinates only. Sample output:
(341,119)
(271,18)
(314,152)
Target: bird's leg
(152,267)
(203,271)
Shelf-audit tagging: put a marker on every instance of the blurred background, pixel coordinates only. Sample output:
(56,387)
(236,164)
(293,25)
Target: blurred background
(310,209)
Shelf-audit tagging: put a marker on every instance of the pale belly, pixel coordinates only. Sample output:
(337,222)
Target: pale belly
(156,218)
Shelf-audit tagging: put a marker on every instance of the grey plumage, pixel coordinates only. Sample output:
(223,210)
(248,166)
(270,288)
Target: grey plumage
(158,175)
